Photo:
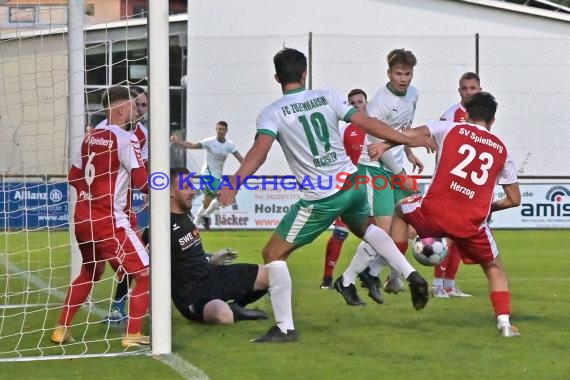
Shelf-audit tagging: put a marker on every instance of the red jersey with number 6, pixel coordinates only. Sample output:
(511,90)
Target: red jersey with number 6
(109,163)
(472,160)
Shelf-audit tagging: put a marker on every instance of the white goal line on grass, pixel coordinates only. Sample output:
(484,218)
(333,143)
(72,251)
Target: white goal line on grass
(44,287)
(29,305)
(178,364)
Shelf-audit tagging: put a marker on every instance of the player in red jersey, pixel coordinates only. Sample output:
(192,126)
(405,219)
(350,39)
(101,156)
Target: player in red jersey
(136,126)
(110,162)
(141,108)
(117,312)
(353,139)
(469,85)
(444,284)
(460,198)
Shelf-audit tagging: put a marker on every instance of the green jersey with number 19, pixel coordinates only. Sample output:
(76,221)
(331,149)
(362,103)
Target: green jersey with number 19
(305,123)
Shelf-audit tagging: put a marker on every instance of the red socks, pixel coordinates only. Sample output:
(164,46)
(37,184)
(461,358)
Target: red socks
(138,303)
(76,296)
(448,268)
(501,302)
(334,247)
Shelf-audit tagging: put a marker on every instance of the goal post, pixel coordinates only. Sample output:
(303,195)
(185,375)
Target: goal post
(159,199)
(52,77)
(76,108)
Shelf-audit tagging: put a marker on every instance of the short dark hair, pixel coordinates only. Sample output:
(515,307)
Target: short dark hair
(223,123)
(115,94)
(290,64)
(469,76)
(138,90)
(402,56)
(482,106)
(357,91)
(174,172)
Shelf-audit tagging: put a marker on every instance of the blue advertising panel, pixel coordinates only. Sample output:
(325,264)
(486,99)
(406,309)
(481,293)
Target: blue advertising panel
(140,207)
(33,205)
(38,205)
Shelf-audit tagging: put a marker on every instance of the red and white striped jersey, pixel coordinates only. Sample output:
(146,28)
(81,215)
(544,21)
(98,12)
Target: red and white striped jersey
(110,162)
(142,134)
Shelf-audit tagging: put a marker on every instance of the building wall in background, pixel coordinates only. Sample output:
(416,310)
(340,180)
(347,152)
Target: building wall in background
(523,61)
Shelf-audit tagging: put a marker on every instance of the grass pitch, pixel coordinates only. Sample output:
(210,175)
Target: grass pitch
(450,339)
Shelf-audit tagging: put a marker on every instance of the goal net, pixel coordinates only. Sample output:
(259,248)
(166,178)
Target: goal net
(36,260)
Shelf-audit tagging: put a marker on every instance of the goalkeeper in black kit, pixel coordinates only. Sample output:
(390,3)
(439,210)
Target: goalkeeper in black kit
(203,288)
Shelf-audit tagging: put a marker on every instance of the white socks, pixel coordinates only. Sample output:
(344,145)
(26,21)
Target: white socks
(376,266)
(280,289)
(385,247)
(377,243)
(503,320)
(362,257)
(437,282)
(199,214)
(214,205)
(448,284)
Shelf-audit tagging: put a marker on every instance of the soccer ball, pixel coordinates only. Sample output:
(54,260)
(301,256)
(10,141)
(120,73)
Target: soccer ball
(430,251)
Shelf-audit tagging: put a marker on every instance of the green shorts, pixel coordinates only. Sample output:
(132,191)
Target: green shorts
(381,192)
(308,219)
(210,185)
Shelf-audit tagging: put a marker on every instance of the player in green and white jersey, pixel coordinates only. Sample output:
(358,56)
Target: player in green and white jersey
(218,148)
(394,104)
(305,123)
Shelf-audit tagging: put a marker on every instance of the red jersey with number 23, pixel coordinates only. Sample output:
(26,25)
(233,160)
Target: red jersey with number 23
(110,159)
(472,160)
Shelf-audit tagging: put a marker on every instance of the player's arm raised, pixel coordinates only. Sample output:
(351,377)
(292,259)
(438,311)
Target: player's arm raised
(185,144)
(256,156)
(381,130)
(422,133)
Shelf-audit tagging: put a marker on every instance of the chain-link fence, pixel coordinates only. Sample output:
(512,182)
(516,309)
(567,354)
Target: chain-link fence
(230,78)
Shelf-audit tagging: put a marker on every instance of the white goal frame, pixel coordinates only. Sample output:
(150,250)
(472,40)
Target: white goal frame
(159,115)
(158,32)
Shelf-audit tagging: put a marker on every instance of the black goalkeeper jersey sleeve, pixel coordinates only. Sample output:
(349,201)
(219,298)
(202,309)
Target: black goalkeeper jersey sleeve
(189,266)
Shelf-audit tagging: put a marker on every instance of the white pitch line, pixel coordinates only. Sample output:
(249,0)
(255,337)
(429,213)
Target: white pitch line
(181,366)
